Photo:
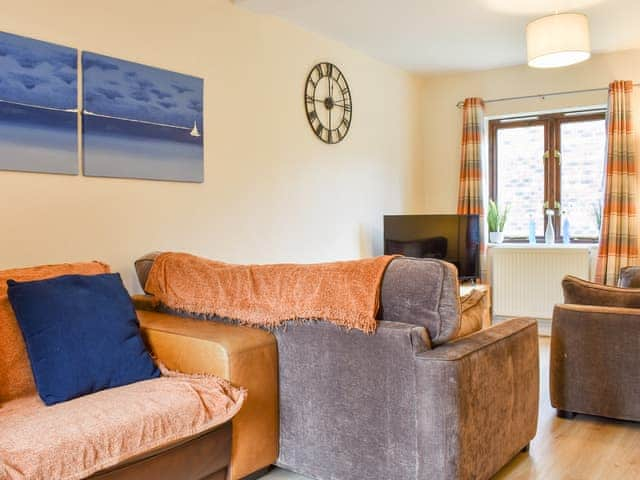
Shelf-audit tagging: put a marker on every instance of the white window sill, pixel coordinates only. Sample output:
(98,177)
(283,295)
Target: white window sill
(544,246)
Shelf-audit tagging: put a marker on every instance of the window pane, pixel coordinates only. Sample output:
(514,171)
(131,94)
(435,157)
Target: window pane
(520,167)
(583,152)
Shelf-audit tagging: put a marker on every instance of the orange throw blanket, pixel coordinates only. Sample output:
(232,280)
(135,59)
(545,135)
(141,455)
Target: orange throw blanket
(344,293)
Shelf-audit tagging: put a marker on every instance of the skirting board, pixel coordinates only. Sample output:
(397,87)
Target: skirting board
(544,324)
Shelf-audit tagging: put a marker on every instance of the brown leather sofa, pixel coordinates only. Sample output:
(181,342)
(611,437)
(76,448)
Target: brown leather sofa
(245,356)
(180,442)
(595,351)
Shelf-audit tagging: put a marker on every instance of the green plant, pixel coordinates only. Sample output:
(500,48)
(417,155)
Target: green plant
(597,213)
(495,219)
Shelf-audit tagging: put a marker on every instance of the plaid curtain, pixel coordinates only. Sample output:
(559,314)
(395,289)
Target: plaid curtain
(470,200)
(618,233)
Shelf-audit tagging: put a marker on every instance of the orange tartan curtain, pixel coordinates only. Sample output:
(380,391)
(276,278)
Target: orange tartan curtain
(619,231)
(470,201)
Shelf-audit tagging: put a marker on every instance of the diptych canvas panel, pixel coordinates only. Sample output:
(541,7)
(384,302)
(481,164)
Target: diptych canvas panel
(38,106)
(140,121)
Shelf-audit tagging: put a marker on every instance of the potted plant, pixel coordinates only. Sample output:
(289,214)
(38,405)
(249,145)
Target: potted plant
(597,214)
(496,221)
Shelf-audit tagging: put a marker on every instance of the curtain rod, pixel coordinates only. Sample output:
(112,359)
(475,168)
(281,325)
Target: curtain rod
(543,95)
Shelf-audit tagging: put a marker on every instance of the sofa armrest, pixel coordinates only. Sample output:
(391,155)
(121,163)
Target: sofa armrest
(349,392)
(594,361)
(147,303)
(244,356)
(478,400)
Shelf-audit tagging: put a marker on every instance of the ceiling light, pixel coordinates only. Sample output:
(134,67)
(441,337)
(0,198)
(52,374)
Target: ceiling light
(558,40)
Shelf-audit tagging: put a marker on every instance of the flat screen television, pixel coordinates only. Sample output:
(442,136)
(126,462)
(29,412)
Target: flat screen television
(453,238)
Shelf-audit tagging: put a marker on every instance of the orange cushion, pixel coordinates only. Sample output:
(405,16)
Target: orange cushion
(16,379)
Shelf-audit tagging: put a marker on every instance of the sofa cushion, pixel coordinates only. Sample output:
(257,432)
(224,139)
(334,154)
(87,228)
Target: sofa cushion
(82,334)
(473,308)
(74,439)
(16,378)
(582,292)
(423,292)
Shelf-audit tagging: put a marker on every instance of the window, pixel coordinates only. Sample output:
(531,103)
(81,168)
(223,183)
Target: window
(554,160)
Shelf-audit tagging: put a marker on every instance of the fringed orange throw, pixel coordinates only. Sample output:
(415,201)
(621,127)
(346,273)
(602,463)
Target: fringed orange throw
(344,293)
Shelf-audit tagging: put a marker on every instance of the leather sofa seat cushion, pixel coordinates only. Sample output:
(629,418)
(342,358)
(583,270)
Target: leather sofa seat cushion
(473,310)
(74,439)
(581,292)
(203,457)
(16,378)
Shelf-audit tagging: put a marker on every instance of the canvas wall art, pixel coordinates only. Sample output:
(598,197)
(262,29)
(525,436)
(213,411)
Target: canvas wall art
(140,121)
(38,106)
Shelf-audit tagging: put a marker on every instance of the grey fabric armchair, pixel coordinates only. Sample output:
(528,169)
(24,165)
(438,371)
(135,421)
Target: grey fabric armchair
(595,351)
(412,401)
(387,406)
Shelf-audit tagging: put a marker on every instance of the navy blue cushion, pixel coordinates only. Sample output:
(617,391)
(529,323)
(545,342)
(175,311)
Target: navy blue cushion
(82,334)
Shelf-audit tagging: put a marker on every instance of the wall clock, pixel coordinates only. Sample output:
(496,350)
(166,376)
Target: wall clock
(328,102)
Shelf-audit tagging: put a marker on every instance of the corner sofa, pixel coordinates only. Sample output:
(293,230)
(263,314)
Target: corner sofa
(413,401)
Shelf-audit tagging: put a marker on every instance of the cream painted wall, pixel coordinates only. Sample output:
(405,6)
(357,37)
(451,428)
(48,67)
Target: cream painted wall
(272,191)
(442,121)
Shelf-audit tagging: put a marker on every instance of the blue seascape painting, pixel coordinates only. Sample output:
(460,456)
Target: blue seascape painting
(38,106)
(141,122)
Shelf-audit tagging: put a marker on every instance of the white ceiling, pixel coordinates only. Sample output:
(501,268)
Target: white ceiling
(451,35)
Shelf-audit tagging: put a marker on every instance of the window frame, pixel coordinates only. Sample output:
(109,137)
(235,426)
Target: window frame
(552,123)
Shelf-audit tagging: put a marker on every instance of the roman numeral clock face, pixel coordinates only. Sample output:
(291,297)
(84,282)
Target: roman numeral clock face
(328,102)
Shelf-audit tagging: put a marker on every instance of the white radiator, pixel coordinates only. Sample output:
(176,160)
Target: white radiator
(526,280)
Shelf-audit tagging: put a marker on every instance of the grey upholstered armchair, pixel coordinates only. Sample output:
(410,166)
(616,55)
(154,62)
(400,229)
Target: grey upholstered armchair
(595,350)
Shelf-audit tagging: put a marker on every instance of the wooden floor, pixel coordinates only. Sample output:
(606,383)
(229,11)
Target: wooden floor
(582,448)
(579,449)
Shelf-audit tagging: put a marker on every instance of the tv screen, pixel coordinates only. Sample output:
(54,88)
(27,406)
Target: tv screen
(453,238)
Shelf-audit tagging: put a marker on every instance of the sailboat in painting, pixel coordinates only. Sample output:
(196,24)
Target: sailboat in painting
(194,131)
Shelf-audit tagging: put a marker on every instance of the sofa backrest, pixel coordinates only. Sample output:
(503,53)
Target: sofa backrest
(16,379)
(582,292)
(424,292)
(419,291)
(629,277)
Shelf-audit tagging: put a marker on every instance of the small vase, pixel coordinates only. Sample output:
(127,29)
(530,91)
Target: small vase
(496,237)
(566,231)
(550,234)
(532,230)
